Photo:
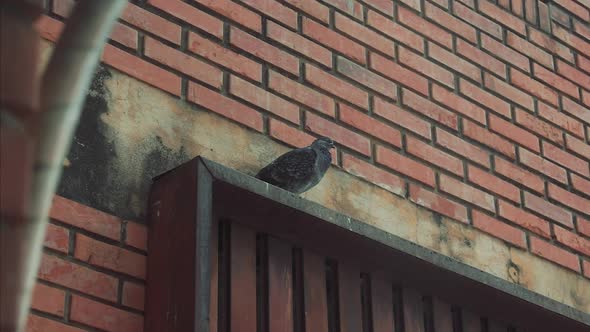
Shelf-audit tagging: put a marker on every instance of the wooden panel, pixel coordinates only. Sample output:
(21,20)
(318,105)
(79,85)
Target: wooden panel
(495,326)
(243,279)
(443,316)
(349,295)
(471,322)
(314,279)
(413,310)
(280,286)
(213,303)
(382,304)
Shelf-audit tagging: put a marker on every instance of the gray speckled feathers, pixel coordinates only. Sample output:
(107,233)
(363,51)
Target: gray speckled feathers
(299,170)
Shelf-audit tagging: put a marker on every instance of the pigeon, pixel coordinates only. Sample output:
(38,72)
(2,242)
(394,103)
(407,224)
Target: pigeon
(299,170)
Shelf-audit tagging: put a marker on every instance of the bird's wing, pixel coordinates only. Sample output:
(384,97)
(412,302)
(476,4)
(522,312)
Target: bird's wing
(294,165)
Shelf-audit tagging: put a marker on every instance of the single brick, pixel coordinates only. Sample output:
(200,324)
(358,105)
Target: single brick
(462,148)
(466,192)
(264,99)
(542,165)
(531,11)
(429,109)
(136,235)
(514,133)
(580,184)
(529,49)
(507,54)
(366,77)
(478,56)
(563,158)
(402,118)
(552,45)
(225,57)
(48,299)
(399,74)
(338,133)
(133,295)
(583,226)
(182,62)
(384,6)
(577,110)
(493,103)
(370,125)
(543,128)
(77,277)
(57,238)
(404,165)
(438,203)
(493,184)
(85,217)
(433,155)
(190,15)
(290,135)
(299,43)
(103,316)
(110,257)
(450,22)
(364,34)
(235,12)
(534,87)
(449,59)
(477,20)
(264,51)
(224,106)
(383,179)
(569,199)
(572,240)
(350,7)
(124,35)
(458,104)
(49,28)
(301,93)
(554,254)
(499,15)
(562,120)
(485,137)
(586,268)
(549,210)
(41,324)
(275,10)
(336,86)
(573,74)
(499,229)
(431,31)
(583,63)
(141,70)
(313,8)
(425,67)
(508,91)
(522,218)
(334,40)
(153,23)
(396,31)
(515,173)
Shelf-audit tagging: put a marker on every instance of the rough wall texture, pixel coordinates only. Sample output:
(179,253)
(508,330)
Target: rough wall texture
(461,125)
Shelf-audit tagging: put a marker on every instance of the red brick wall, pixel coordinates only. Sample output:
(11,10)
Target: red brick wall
(92,274)
(477,110)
